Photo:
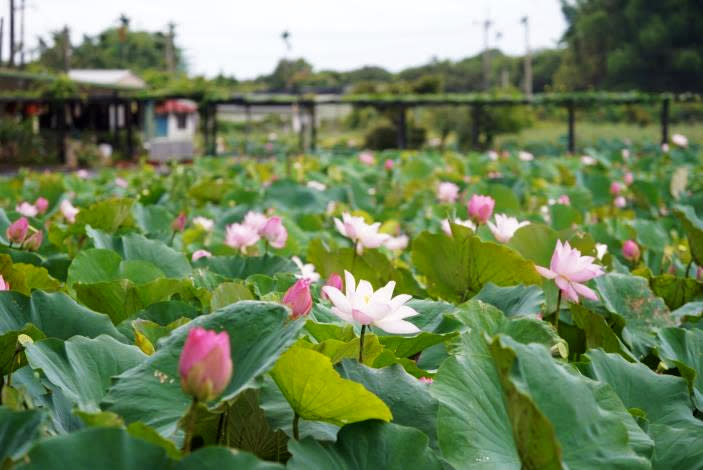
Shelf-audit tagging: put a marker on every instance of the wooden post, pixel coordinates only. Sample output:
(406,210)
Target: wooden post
(61,124)
(571,136)
(475,126)
(213,143)
(313,128)
(204,118)
(402,128)
(128,126)
(665,121)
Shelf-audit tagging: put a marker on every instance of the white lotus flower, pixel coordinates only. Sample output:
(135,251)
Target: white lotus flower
(26,209)
(505,227)
(466,223)
(362,305)
(68,210)
(525,156)
(307,271)
(680,140)
(255,220)
(205,223)
(397,243)
(362,234)
(588,160)
(316,185)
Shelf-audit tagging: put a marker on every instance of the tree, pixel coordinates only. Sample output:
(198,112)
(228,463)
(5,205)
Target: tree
(632,44)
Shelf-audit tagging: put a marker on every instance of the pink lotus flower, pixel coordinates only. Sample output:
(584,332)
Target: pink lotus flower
(480,208)
(447,192)
(274,232)
(307,271)
(388,165)
(446,227)
(588,160)
(33,242)
(26,209)
(4,285)
(629,178)
(358,231)
(625,154)
(620,202)
(298,298)
(570,270)
(121,182)
(83,174)
(205,365)
(397,243)
(564,199)
(426,380)
(630,250)
(615,188)
(68,211)
(197,254)
(17,231)
(335,280)
(255,220)
(505,227)
(367,158)
(699,273)
(179,223)
(525,156)
(240,236)
(679,140)
(41,204)
(665,147)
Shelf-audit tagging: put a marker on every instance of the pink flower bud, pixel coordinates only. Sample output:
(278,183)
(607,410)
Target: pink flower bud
(367,158)
(17,232)
(298,298)
(426,380)
(564,200)
(200,254)
(480,208)
(4,285)
(388,165)
(699,273)
(629,178)
(335,280)
(620,202)
(275,232)
(205,365)
(179,223)
(41,204)
(615,188)
(33,242)
(630,250)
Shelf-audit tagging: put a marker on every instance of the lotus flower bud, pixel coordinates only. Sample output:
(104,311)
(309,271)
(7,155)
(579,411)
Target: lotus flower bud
(275,232)
(629,178)
(699,273)
(480,208)
(388,165)
(4,285)
(630,250)
(298,298)
(367,158)
(564,200)
(200,254)
(33,242)
(620,202)
(17,232)
(179,223)
(69,212)
(41,204)
(615,188)
(447,192)
(335,280)
(205,365)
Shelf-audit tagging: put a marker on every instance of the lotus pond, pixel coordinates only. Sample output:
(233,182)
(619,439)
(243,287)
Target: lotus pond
(410,310)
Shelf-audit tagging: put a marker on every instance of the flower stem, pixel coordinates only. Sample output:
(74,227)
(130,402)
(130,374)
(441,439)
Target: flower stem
(296,432)
(173,236)
(556,312)
(361,344)
(190,426)
(688,267)
(356,245)
(222,426)
(10,245)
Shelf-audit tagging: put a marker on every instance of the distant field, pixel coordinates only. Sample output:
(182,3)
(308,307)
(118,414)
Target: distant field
(588,133)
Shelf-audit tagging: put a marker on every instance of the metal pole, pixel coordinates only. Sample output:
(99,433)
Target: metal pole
(572,137)
(2,33)
(128,123)
(22,8)
(213,141)
(665,121)
(313,128)
(528,58)
(486,56)
(475,126)
(11,62)
(402,131)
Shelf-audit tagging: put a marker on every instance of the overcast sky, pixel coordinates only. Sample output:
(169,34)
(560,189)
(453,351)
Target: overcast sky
(243,37)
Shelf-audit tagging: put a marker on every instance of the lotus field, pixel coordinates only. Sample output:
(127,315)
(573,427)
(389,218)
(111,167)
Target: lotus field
(414,310)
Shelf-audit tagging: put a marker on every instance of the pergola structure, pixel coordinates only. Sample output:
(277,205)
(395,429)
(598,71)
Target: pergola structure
(399,104)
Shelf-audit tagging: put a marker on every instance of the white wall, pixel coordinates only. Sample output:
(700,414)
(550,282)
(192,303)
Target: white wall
(181,134)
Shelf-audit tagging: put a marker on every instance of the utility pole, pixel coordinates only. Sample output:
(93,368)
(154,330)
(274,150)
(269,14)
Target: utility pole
(486,56)
(11,62)
(2,35)
(66,49)
(170,48)
(528,58)
(21,47)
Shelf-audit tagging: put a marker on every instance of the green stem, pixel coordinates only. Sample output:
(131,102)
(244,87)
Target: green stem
(688,267)
(556,313)
(361,344)
(190,426)
(296,432)
(173,236)
(356,245)
(10,244)
(222,426)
